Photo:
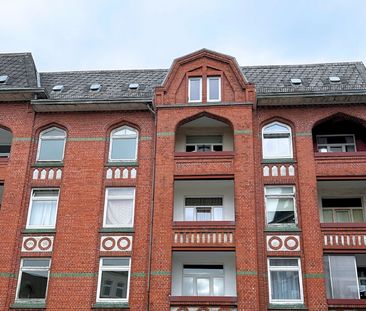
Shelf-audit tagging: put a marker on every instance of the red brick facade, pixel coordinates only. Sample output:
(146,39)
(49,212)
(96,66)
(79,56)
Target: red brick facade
(79,228)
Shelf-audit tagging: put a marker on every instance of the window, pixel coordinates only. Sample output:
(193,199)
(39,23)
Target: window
(113,279)
(51,145)
(280,205)
(195,90)
(203,209)
(1,192)
(43,209)
(119,207)
(336,143)
(123,146)
(203,280)
(204,143)
(5,142)
(276,141)
(213,89)
(285,284)
(33,279)
(342,210)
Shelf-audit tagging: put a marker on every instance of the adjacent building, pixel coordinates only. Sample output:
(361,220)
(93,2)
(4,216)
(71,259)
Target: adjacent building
(206,187)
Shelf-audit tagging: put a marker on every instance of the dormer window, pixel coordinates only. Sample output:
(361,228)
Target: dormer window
(195,90)
(213,89)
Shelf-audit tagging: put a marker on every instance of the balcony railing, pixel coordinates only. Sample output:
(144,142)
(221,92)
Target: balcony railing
(345,236)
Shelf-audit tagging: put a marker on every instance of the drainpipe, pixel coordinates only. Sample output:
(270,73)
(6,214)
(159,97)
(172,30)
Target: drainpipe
(153,111)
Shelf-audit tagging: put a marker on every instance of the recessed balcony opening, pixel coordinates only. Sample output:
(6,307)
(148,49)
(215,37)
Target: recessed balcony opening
(204,274)
(204,200)
(342,201)
(339,134)
(5,142)
(204,135)
(345,276)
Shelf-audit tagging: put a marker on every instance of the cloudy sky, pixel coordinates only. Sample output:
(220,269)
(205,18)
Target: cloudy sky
(124,34)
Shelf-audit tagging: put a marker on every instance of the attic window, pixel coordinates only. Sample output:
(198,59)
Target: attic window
(3,79)
(58,88)
(95,87)
(133,86)
(296,81)
(334,79)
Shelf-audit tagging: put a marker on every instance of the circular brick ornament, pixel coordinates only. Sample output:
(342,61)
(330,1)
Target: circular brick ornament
(44,244)
(291,243)
(108,243)
(123,243)
(275,243)
(30,244)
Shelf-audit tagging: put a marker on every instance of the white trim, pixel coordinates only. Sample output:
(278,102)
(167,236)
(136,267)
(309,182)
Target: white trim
(51,138)
(349,196)
(208,89)
(284,195)
(195,206)
(121,137)
(189,90)
(290,156)
(285,268)
(33,300)
(43,199)
(119,197)
(113,268)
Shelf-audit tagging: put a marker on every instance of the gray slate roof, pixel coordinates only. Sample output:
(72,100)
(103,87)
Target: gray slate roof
(269,80)
(21,70)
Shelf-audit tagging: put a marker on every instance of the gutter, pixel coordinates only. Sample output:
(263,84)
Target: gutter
(77,101)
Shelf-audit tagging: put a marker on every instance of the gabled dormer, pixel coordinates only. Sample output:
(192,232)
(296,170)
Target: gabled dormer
(204,77)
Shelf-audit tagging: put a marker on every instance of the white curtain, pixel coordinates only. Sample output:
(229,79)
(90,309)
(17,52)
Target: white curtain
(43,213)
(285,285)
(119,212)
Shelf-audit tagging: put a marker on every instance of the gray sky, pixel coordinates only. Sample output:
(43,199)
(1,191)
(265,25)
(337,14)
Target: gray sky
(124,34)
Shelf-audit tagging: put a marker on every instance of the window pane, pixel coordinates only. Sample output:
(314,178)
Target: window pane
(189,214)
(280,210)
(277,147)
(203,201)
(357,215)
(117,192)
(335,149)
(218,287)
(218,215)
(342,216)
(195,89)
(203,214)
(190,148)
(200,139)
(203,148)
(116,262)
(119,278)
(119,212)
(36,262)
(350,149)
(123,149)
(53,132)
(327,215)
(279,190)
(43,213)
(214,88)
(188,286)
(282,262)
(33,284)
(285,285)
(217,147)
(45,193)
(51,150)
(342,202)
(203,287)
(276,128)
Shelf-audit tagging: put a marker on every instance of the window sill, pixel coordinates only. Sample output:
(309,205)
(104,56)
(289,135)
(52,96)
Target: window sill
(274,306)
(282,229)
(279,160)
(122,163)
(39,231)
(48,164)
(28,305)
(110,305)
(111,230)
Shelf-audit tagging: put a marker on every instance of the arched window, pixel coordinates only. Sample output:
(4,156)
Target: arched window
(5,142)
(276,141)
(51,145)
(123,146)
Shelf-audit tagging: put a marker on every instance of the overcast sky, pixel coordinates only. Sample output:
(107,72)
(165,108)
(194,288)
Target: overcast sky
(125,34)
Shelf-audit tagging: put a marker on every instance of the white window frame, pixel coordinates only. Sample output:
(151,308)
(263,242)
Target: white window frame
(203,276)
(362,198)
(285,268)
(280,196)
(290,156)
(112,137)
(189,90)
(329,145)
(33,300)
(119,198)
(41,139)
(198,206)
(28,226)
(208,89)
(113,268)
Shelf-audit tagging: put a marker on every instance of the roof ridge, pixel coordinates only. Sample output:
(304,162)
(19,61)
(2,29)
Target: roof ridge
(103,71)
(303,65)
(15,54)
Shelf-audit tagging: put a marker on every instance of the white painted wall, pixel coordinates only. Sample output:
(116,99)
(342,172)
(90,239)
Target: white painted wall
(224,258)
(204,188)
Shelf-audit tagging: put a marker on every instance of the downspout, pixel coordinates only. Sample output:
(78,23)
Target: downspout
(153,111)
